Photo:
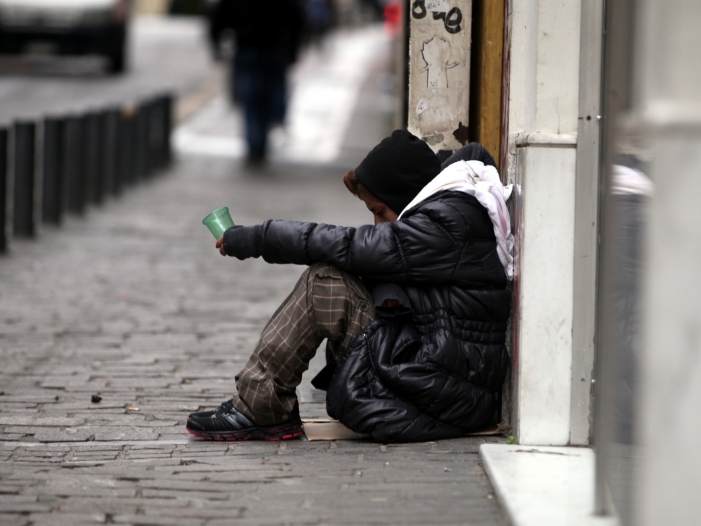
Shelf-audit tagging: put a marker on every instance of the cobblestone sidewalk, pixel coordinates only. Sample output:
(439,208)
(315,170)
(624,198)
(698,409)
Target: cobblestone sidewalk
(133,306)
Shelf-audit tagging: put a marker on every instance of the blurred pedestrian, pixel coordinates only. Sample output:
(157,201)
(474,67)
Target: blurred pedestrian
(267,37)
(375,8)
(318,18)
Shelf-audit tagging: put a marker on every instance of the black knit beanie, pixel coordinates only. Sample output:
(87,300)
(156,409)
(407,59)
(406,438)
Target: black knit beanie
(397,169)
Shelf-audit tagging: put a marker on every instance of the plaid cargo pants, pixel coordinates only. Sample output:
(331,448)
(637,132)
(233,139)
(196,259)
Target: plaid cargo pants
(325,303)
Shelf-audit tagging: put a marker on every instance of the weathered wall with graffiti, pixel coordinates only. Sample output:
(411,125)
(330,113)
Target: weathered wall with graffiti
(439,73)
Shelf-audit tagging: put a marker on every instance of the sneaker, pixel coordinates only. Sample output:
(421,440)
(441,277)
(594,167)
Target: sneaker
(226,423)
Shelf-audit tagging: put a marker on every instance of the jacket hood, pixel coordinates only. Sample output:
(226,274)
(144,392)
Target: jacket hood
(482,182)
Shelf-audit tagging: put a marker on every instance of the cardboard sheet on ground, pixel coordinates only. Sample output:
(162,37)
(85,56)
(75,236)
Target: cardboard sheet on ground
(328,429)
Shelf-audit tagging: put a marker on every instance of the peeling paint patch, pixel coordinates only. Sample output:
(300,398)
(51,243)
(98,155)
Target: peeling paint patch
(433,139)
(461,134)
(422,106)
(438,6)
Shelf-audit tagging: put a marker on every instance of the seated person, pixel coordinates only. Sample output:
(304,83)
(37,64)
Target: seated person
(414,308)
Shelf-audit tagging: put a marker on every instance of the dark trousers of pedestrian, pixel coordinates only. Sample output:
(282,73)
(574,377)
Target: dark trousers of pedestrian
(260,85)
(325,303)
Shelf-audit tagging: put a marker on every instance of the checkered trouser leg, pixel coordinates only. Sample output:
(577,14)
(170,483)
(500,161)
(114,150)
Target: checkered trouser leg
(325,303)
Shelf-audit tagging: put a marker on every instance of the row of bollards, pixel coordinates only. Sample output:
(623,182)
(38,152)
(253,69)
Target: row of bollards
(66,163)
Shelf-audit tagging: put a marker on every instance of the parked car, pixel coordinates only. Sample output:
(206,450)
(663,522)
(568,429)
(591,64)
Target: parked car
(66,27)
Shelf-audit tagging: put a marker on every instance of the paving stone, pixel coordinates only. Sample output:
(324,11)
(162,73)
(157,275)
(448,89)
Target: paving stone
(62,435)
(122,434)
(62,519)
(21,504)
(151,520)
(13,436)
(68,486)
(93,457)
(16,519)
(39,421)
(116,506)
(62,382)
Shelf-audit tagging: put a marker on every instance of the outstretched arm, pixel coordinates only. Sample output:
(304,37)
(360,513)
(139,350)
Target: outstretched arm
(415,248)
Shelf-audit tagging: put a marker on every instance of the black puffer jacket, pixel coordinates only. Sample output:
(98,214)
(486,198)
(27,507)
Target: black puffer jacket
(435,372)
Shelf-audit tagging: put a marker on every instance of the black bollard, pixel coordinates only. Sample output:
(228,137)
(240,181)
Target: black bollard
(141,143)
(161,132)
(156,131)
(53,188)
(153,136)
(73,165)
(3,190)
(92,157)
(99,190)
(126,141)
(24,151)
(144,119)
(110,133)
(167,102)
(120,154)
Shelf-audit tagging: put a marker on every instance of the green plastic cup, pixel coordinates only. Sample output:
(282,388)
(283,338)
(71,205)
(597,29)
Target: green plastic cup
(218,221)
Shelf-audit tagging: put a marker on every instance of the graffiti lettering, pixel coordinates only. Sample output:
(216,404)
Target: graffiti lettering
(451,20)
(421,6)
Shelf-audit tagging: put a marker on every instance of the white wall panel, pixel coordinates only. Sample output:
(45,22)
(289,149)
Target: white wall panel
(543,122)
(546,273)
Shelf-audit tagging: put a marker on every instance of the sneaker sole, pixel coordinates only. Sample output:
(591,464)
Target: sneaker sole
(271,433)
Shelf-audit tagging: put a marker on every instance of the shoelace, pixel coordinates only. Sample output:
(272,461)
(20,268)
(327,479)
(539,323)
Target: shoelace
(226,407)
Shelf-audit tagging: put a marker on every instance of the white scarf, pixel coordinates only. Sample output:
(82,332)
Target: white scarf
(483,183)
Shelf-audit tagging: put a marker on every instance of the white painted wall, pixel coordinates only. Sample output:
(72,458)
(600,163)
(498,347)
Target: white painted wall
(545,317)
(544,76)
(543,112)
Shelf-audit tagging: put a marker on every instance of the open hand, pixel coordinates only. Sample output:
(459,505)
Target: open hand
(220,246)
